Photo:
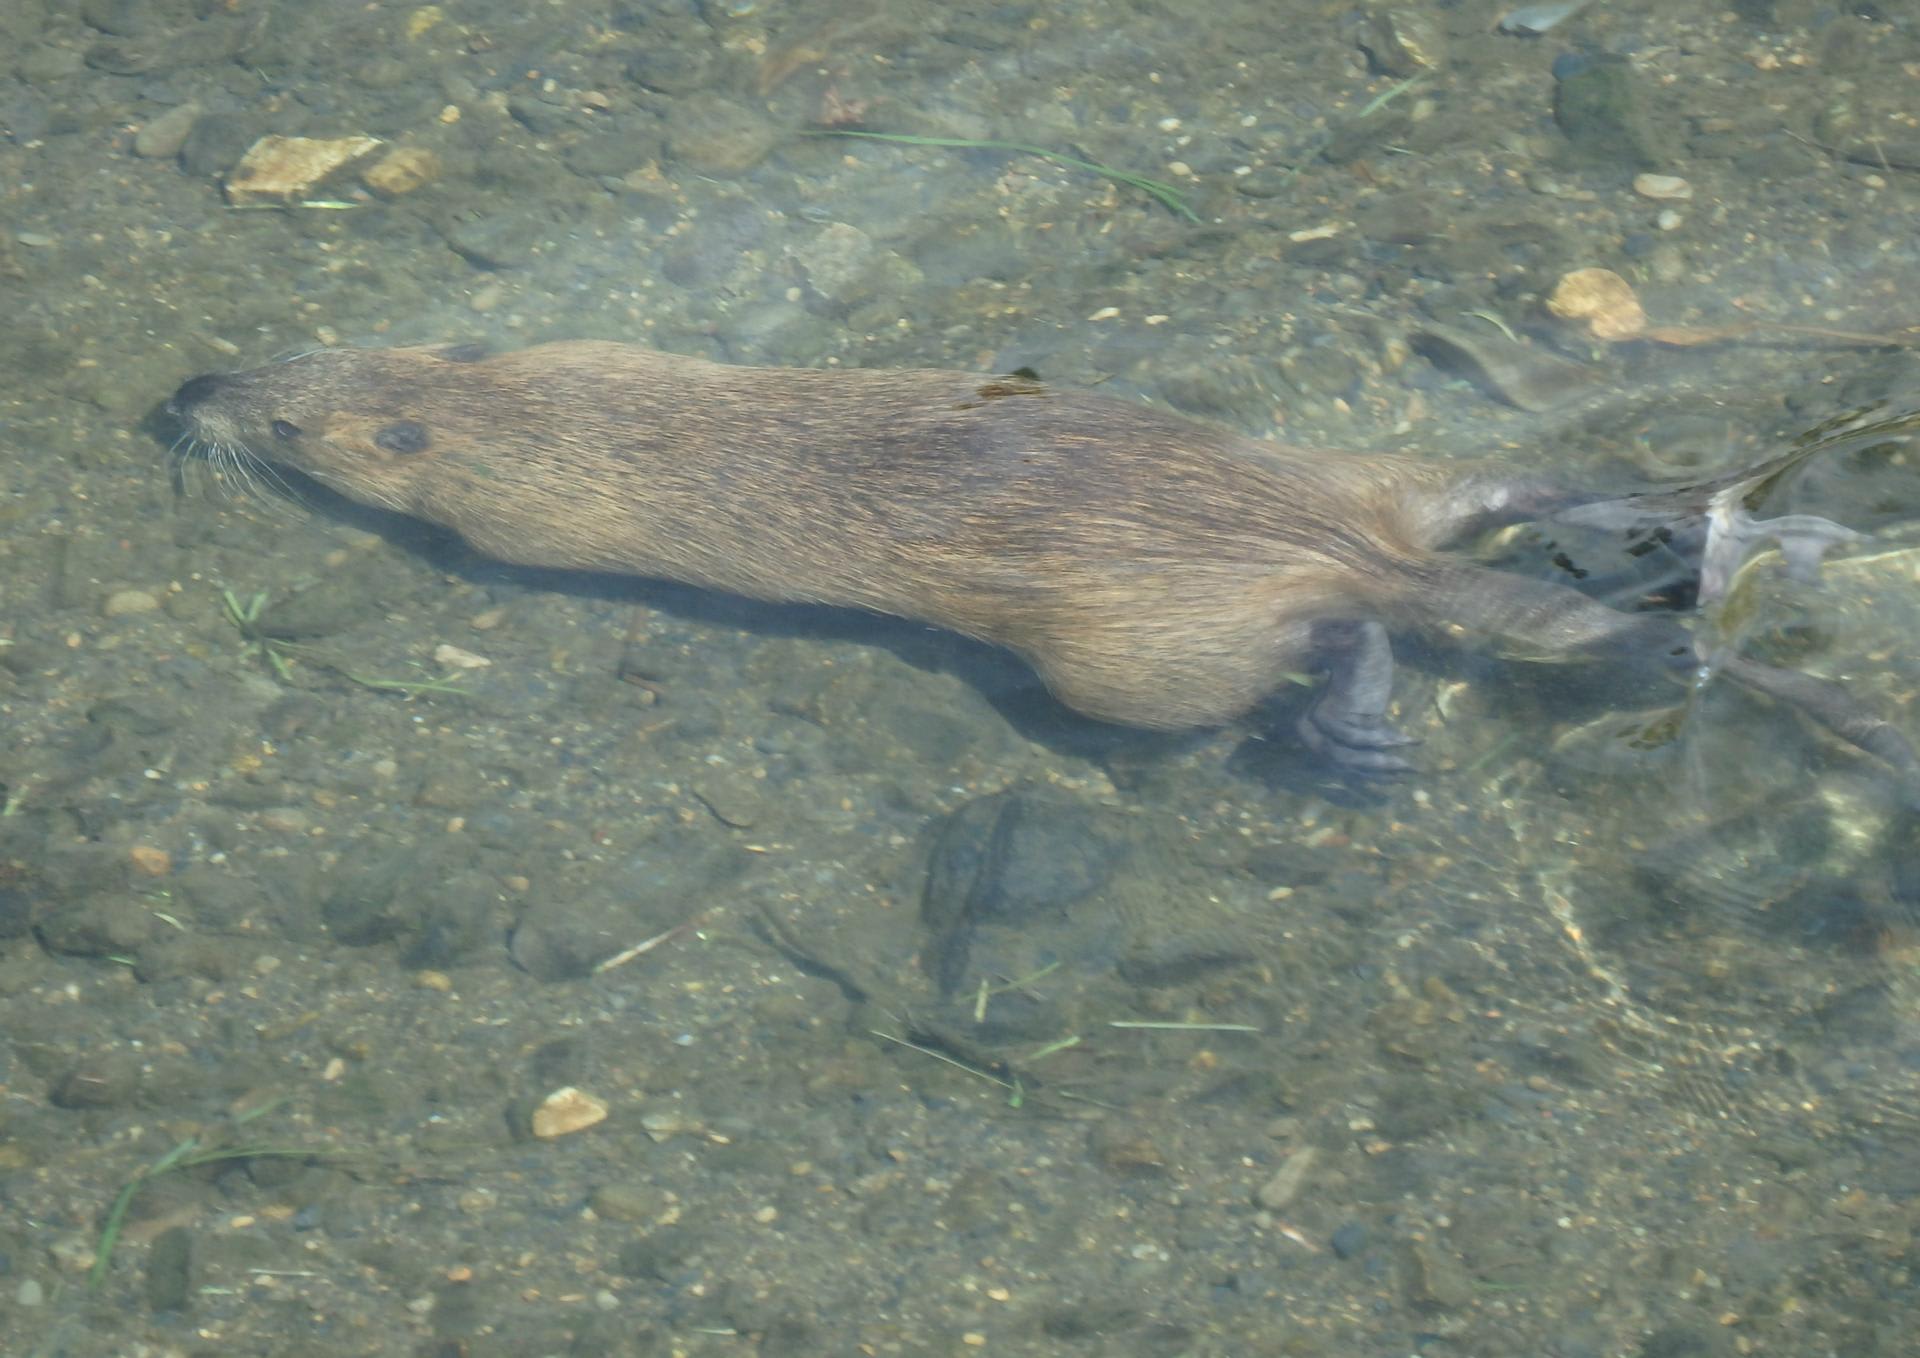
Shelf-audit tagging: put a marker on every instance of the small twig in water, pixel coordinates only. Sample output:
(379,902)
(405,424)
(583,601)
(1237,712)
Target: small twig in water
(1183,1027)
(647,945)
(1059,1044)
(1381,100)
(1016,1093)
(1497,323)
(408,687)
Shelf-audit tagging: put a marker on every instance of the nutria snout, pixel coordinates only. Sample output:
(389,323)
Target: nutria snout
(195,393)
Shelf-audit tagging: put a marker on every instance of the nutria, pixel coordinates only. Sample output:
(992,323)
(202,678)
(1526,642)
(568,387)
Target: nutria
(1155,571)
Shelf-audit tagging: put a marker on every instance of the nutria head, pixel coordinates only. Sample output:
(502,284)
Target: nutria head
(364,421)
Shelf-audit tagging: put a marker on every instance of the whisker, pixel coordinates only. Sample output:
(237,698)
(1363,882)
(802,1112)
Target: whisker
(258,470)
(234,462)
(226,475)
(219,467)
(259,479)
(236,472)
(179,453)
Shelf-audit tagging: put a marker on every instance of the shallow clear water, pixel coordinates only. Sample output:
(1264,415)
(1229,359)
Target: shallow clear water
(927,1016)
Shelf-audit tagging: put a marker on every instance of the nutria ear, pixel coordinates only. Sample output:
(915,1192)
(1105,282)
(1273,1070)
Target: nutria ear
(403,436)
(472,351)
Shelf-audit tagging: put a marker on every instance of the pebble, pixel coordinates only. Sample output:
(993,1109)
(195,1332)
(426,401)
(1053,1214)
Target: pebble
(1348,1240)
(1530,21)
(1285,1185)
(453,658)
(633,1201)
(566,1111)
(106,1081)
(1439,1277)
(1601,301)
(839,262)
(281,170)
(402,171)
(1403,42)
(1600,102)
(716,136)
(126,603)
(168,1284)
(666,1123)
(1662,187)
(73,1253)
(29,1293)
(286,820)
(162,138)
(149,861)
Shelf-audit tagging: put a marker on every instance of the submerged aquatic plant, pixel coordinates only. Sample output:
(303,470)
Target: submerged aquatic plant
(190,1153)
(1161,192)
(244,614)
(278,653)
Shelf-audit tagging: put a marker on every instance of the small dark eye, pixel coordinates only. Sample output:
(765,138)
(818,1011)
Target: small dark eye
(403,436)
(283,430)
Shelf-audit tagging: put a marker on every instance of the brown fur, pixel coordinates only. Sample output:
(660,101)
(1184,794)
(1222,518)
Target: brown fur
(1155,571)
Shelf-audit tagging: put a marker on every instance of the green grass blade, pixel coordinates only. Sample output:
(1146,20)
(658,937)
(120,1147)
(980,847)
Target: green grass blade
(1161,192)
(110,1232)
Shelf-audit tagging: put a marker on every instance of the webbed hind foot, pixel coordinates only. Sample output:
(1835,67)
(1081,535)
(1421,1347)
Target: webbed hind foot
(1362,745)
(1734,535)
(1347,721)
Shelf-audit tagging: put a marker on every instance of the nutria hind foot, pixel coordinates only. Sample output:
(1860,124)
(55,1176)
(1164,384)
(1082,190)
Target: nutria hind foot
(1347,720)
(1733,534)
(1357,744)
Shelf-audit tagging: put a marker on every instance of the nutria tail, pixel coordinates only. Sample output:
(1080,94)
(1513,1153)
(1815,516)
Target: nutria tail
(1537,620)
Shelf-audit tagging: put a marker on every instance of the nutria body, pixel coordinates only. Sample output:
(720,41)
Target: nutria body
(1155,571)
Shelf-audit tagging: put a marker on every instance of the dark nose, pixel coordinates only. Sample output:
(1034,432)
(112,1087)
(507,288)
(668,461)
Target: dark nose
(193,392)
